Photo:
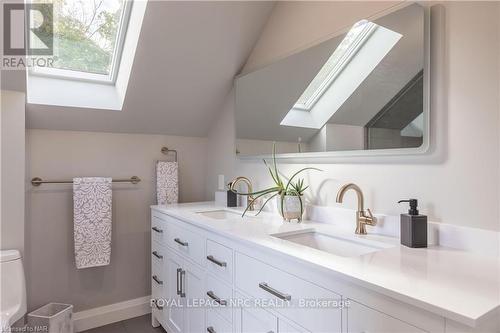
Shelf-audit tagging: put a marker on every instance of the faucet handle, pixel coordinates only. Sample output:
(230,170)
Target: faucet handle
(369,219)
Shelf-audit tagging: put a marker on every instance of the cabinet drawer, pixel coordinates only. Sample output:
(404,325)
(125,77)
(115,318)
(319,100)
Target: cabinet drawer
(286,327)
(219,260)
(253,320)
(220,296)
(297,299)
(157,276)
(361,319)
(217,324)
(158,230)
(157,254)
(186,242)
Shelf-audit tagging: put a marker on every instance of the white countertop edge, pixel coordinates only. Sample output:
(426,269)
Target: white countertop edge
(180,211)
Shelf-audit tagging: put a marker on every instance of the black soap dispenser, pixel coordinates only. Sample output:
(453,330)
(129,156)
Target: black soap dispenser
(232,197)
(413,226)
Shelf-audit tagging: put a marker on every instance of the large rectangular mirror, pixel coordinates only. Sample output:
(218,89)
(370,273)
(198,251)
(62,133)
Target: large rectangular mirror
(364,92)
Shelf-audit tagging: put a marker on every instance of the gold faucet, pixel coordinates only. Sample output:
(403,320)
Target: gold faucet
(361,218)
(250,190)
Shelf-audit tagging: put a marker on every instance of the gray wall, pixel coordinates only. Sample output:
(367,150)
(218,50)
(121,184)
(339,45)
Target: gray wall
(12,119)
(51,272)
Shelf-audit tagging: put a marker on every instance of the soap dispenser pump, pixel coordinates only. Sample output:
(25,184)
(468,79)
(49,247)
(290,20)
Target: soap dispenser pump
(413,226)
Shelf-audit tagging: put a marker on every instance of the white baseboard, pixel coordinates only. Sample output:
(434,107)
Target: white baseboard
(108,314)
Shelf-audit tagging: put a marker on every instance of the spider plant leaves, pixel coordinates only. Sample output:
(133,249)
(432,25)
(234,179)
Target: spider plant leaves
(292,188)
(276,173)
(265,203)
(276,180)
(262,193)
(272,189)
(297,173)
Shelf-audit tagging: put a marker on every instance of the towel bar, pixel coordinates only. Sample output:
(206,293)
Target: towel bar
(165,151)
(37,181)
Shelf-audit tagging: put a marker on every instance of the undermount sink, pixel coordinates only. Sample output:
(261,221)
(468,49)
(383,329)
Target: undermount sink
(221,214)
(340,246)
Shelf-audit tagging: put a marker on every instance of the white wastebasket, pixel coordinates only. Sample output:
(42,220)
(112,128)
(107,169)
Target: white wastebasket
(52,318)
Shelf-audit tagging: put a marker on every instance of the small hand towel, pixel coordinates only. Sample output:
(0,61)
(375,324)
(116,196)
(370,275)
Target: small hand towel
(92,221)
(167,183)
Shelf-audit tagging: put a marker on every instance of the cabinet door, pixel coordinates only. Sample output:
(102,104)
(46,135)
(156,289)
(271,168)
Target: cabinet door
(253,320)
(192,284)
(285,327)
(175,309)
(217,324)
(362,319)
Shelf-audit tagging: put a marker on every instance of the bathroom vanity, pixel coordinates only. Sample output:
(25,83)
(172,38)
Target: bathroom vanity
(214,271)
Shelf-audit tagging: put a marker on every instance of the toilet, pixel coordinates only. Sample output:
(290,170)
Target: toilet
(12,289)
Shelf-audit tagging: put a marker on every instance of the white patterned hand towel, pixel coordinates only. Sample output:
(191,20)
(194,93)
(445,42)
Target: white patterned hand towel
(167,182)
(92,221)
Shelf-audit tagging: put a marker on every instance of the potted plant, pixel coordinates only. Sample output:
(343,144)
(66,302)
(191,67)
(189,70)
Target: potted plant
(289,193)
(291,205)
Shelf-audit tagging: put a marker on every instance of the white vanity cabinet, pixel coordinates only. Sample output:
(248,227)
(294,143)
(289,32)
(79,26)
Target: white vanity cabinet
(251,320)
(255,290)
(362,319)
(176,280)
(287,291)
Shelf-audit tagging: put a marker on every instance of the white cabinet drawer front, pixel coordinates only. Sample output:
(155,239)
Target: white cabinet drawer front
(285,327)
(219,260)
(186,242)
(158,230)
(217,324)
(158,278)
(220,296)
(255,320)
(362,319)
(157,254)
(267,283)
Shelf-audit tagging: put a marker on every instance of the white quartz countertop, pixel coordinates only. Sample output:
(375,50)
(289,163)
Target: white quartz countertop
(452,283)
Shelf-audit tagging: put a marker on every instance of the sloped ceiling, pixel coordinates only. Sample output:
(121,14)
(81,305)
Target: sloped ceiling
(185,63)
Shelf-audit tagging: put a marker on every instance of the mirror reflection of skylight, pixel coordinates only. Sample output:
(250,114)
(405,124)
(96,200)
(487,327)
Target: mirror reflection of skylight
(359,53)
(354,39)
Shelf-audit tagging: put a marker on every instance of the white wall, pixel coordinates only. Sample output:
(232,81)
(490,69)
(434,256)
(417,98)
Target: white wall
(457,182)
(12,120)
(50,268)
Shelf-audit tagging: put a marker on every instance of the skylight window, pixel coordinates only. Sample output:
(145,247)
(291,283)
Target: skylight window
(88,39)
(354,39)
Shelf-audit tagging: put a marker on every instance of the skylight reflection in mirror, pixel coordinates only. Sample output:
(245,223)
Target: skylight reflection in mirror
(339,58)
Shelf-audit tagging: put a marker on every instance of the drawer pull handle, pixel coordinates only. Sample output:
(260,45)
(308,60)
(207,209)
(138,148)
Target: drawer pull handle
(157,280)
(177,281)
(210,329)
(274,292)
(178,241)
(156,229)
(157,255)
(180,284)
(216,298)
(217,262)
